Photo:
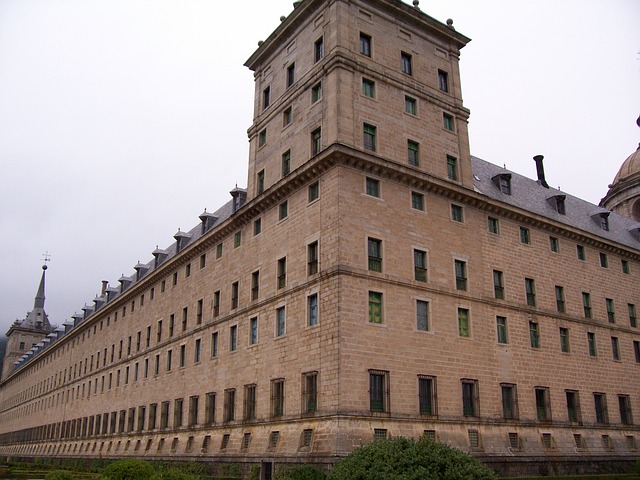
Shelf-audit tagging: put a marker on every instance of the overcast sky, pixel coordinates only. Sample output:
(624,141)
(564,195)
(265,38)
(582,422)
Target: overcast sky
(121,120)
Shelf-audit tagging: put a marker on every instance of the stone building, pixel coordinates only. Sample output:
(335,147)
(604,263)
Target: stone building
(373,280)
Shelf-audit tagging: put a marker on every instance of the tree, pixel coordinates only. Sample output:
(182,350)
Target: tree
(407,459)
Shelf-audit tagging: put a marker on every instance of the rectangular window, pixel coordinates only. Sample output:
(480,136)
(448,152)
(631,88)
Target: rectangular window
(312,258)
(187,274)
(316,141)
(260,189)
(410,105)
(318,50)
(604,262)
(501,325)
(554,244)
(198,350)
(564,340)
(457,213)
(177,412)
(193,410)
(560,306)
(255,285)
(636,350)
(443,81)
(253,330)
(283,210)
(611,314)
(210,409)
(262,137)
(492,225)
(309,392)
(586,304)
(509,401)
(470,398)
(216,303)
(153,413)
(624,405)
(422,315)
(427,395)
(374,251)
(219,250)
(229,405)
(375,307)
(372,187)
(250,402)
(286,163)
(185,315)
(169,360)
(573,406)
(287,116)
(314,191)
(463,322)
(452,168)
(280,322)
(233,338)
(378,391)
(365,44)
(316,92)
(214,344)
(417,201)
(413,150)
(157,365)
(543,403)
(534,334)
(291,74)
(369,132)
(277,397)
(530,290)
(164,414)
(498,284)
(312,309)
(266,97)
(405,63)
(447,122)
(600,403)
(633,322)
(580,252)
(234,295)
(615,348)
(237,239)
(420,265)
(282,272)
(461,274)
(591,341)
(368,88)
(625,266)
(525,235)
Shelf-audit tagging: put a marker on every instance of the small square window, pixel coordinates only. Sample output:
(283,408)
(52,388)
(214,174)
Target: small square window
(493,225)
(406,63)
(452,168)
(443,81)
(369,137)
(525,236)
(554,244)
(457,213)
(372,187)
(368,88)
(410,105)
(417,201)
(413,150)
(283,210)
(316,92)
(447,121)
(314,191)
(262,137)
(365,44)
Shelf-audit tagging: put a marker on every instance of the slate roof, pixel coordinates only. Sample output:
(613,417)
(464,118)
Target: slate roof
(529,195)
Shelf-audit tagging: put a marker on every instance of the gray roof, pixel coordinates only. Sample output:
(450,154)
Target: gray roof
(530,195)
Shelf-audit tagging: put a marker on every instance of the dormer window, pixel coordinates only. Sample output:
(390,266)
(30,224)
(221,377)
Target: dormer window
(604,221)
(207,219)
(558,203)
(503,182)
(601,217)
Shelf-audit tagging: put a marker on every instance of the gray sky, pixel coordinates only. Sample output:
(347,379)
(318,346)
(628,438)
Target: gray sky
(121,120)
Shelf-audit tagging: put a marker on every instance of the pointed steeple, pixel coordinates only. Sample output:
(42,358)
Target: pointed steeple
(39,301)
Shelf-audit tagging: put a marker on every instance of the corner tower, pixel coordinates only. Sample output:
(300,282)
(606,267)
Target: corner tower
(377,78)
(25,334)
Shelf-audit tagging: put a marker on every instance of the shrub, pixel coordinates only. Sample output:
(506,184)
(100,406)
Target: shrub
(304,472)
(128,469)
(174,473)
(59,475)
(406,459)
(638,467)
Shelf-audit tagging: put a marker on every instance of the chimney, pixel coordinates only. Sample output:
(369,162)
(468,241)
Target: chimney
(540,171)
(105,284)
